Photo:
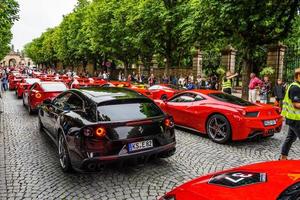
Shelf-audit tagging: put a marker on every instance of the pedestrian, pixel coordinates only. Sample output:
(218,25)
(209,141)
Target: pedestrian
(105,76)
(181,81)
(291,111)
(190,85)
(265,90)
(120,76)
(151,80)
(4,80)
(227,82)
(279,92)
(254,84)
(213,83)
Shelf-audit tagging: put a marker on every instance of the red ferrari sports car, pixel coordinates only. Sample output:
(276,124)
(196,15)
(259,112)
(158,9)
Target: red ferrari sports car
(164,91)
(81,83)
(268,181)
(38,92)
(14,80)
(136,87)
(223,117)
(24,84)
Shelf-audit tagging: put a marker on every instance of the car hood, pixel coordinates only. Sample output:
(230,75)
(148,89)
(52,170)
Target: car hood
(279,175)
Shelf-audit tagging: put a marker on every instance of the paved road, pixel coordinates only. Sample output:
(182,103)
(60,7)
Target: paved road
(29,167)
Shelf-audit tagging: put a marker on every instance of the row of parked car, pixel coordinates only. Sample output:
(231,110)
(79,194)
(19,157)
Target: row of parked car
(95,122)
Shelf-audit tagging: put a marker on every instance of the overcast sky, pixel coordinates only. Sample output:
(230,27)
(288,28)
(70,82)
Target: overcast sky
(36,16)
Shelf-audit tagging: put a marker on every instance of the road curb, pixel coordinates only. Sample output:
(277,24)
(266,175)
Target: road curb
(3,189)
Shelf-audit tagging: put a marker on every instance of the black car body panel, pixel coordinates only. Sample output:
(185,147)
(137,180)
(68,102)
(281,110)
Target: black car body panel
(76,113)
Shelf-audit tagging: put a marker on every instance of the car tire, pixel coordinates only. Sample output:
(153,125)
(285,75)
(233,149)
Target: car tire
(23,102)
(63,154)
(30,111)
(164,97)
(218,129)
(41,126)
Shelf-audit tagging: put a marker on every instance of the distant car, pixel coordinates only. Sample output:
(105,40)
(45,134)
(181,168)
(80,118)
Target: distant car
(96,126)
(222,116)
(164,91)
(38,92)
(78,83)
(136,87)
(14,80)
(276,180)
(24,84)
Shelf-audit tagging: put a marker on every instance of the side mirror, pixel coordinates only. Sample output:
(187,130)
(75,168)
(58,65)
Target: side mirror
(47,102)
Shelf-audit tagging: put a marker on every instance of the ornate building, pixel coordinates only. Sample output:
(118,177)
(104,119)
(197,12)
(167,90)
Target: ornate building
(15,58)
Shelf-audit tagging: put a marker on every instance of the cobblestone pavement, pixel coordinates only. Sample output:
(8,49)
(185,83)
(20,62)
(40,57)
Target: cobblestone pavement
(29,168)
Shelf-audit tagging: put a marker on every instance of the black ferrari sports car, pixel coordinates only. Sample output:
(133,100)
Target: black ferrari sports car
(96,126)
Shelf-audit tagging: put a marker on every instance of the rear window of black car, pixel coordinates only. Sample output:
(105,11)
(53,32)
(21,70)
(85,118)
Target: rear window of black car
(54,87)
(230,99)
(128,110)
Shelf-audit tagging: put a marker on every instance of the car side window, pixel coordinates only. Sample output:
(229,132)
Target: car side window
(32,87)
(184,98)
(75,102)
(199,98)
(60,101)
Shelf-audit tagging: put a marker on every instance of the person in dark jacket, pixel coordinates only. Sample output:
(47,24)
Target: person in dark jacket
(279,92)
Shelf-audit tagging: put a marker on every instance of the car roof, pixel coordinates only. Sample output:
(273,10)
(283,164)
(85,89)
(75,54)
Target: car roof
(102,94)
(51,82)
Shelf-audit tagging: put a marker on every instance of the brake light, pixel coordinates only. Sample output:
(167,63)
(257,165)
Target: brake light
(100,132)
(88,132)
(169,123)
(38,95)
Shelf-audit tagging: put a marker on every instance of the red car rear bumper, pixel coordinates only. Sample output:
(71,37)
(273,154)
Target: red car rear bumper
(248,128)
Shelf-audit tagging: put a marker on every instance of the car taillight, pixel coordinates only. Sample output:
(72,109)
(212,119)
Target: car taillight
(99,132)
(38,95)
(169,123)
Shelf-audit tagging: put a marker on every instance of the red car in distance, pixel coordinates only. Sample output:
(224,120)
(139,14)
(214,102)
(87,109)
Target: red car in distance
(276,180)
(221,116)
(24,84)
(136,87)
(164,91)
(14,79)
(81,83)
(38,92)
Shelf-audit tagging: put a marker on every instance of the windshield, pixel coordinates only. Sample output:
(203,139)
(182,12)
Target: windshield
(32,81)
(128,111)
(54,87)
(230,99)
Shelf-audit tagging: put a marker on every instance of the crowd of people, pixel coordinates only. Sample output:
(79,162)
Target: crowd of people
(257,87)
(265,90)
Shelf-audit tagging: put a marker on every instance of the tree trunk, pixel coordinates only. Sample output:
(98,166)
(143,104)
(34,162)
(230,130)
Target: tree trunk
(125,69)
(247,70)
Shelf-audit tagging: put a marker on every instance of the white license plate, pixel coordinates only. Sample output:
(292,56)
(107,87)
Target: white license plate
(140,145)
(270,122)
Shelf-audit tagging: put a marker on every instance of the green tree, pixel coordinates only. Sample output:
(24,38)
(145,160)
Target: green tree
(8,15)
(253,24)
